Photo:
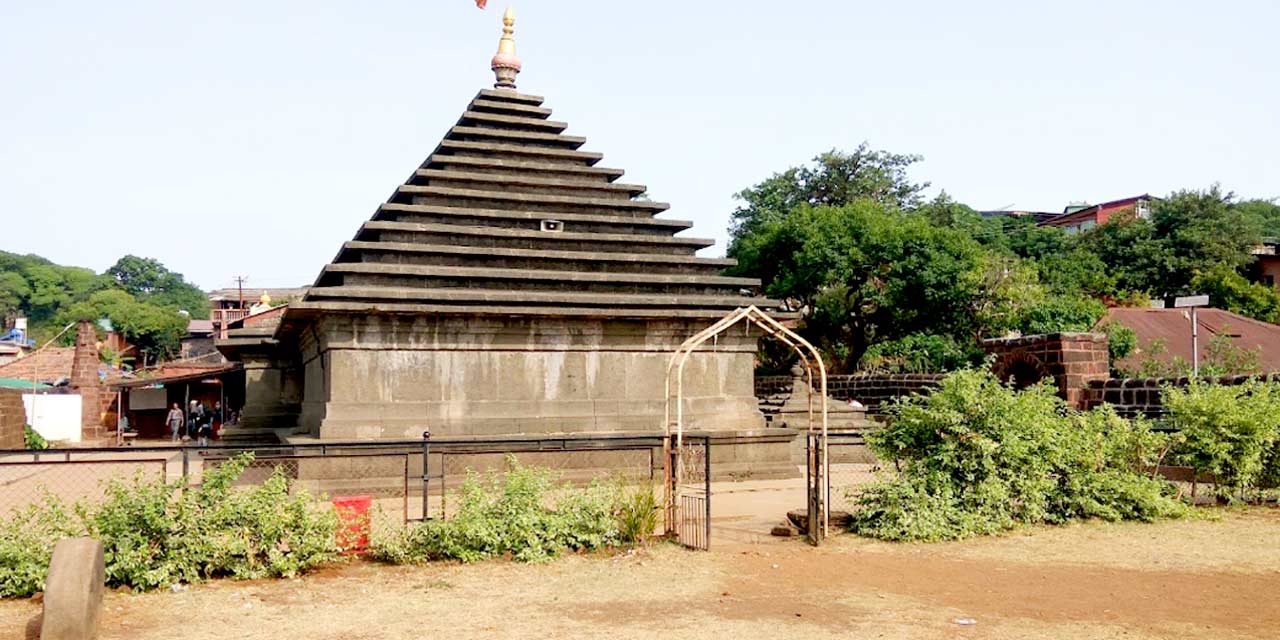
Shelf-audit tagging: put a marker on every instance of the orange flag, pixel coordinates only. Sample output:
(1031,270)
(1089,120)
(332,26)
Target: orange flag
(481,3)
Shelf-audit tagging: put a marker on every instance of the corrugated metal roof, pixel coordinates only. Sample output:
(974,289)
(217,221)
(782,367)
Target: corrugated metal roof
(1173,327)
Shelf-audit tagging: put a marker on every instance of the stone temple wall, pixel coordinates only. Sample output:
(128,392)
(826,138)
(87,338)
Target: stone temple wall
(385,376)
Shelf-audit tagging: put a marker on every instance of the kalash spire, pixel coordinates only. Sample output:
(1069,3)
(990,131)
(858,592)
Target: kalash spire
(505,64)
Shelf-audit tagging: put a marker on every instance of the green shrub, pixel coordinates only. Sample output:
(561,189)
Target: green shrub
(1229,431)
(917,353)
(523,513)
(26,545)
(637,510)
(155,533)
(977,457)
(33,440)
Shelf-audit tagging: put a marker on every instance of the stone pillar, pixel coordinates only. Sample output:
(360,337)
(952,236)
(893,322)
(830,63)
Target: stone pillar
(84,379)
(13,417)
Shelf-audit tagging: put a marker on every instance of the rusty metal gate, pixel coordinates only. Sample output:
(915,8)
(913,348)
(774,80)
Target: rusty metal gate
(688,490)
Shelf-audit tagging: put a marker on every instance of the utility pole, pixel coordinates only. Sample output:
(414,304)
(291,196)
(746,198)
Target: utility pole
(240,285)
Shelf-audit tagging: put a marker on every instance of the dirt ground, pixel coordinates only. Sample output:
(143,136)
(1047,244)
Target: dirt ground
(1186,579)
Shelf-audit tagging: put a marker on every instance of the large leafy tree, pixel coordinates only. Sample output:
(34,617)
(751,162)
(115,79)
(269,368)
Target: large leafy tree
(1229,290)
(835,178)
(865,272)
(1188,233)
(155,329)
(147,279)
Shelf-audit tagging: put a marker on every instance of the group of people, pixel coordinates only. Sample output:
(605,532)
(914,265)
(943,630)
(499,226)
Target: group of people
(197,423)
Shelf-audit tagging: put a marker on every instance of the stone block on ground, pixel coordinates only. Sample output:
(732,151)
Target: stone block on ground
(73,590)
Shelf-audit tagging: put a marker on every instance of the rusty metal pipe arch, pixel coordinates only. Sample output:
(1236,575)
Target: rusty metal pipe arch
(775,330)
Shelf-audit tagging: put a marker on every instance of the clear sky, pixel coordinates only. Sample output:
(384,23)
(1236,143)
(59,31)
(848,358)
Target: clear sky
(253,138)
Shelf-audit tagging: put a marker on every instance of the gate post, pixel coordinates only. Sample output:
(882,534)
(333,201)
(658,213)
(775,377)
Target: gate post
(426,477)
(706,497)
(814,479)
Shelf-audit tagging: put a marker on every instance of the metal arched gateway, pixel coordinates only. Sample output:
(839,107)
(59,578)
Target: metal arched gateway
(687,469)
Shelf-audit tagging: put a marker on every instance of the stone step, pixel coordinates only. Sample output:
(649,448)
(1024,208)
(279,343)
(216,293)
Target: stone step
(513,166)
(511,135)
(518,123)
(451,255)
(364,274)
(527,201)
(499,149)
(508,95)
(531,220)
(509,297)
(499,106)
(520,275)
(490,181)
(310,308)
(525,238)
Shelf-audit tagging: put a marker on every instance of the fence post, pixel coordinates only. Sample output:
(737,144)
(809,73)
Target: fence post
(706,466)
(186,463)
(426,477)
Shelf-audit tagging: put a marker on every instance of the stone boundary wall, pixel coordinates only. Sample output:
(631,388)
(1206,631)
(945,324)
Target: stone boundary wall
(872,390)
(13,417)
(1140,396)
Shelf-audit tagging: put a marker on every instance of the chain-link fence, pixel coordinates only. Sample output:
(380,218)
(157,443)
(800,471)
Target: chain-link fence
(850,464)
(578,461)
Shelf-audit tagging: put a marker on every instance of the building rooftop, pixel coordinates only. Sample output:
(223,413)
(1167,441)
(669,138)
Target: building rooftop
(1173,328)
(48,365)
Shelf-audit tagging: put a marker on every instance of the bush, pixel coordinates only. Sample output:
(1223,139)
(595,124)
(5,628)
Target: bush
(525,514)
(917,353)
(638,510)
(26,545)
(977,457)
(156,533)
(1229,431)
(33,440)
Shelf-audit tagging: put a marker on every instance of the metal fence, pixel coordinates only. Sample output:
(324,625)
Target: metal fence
(408,480)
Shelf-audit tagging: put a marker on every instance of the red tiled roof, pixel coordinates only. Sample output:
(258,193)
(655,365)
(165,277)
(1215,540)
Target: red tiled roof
(1173,326)
(50,364)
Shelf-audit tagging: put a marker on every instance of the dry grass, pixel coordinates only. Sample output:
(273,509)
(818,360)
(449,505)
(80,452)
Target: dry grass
(1174,579)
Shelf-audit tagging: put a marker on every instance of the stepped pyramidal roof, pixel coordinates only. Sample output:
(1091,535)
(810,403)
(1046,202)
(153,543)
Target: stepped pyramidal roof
(509,216)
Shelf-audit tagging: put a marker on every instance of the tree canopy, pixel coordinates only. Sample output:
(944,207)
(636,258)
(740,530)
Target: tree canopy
(881,277)
(142,299)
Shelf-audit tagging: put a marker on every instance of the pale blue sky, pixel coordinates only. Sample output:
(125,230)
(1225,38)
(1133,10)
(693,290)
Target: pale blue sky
(255,137)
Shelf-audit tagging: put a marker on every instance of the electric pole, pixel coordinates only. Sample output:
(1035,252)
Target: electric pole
(240,285)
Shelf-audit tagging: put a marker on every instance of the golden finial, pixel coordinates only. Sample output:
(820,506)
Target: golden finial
(505,64)
(265,299)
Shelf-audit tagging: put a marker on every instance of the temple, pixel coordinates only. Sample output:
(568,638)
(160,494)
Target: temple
(511,285)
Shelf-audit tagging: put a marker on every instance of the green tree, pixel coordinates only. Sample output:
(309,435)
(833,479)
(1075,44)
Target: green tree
(148,280)
(1264,214)
(154,329)
(835,178)
(1229,290)
(865,272)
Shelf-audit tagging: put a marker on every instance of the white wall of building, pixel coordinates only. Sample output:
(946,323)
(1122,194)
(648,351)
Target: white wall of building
(55,417)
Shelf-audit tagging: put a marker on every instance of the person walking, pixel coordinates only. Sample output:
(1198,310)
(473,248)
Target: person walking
(175,420)
(204,427)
